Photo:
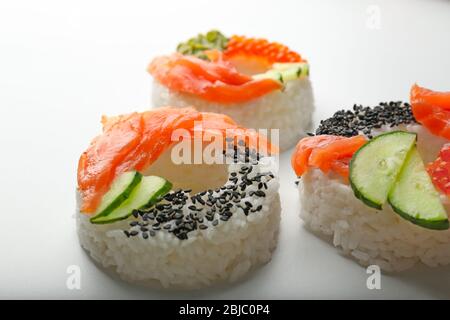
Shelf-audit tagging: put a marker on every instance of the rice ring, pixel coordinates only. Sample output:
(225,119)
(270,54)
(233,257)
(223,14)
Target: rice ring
(287,106)
(381,237)
(224,226)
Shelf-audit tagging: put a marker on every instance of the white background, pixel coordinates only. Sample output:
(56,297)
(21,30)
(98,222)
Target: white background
(63,64)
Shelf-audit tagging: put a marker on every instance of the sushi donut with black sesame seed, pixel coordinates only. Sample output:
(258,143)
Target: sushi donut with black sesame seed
(156,220)
(375,181)
(260,84)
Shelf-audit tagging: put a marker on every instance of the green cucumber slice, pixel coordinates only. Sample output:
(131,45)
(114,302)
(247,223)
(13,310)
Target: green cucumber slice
(375,167)
(414,197)
(283,72)
(291,74)
(282,66)
(119,191)
(271,74)
(292,71)
(149,191)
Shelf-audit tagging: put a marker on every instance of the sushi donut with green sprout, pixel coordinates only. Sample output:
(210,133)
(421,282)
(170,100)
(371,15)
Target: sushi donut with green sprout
(376,181)
(156,217)
(260,84)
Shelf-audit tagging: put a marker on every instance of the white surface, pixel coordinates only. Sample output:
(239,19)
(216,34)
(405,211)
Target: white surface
(63,64)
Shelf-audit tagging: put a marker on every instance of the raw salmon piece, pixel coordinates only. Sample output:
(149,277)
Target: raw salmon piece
(432,110)
(217,81)
(341,166)
(128,142)
(326,152)
(439,170)
(135,141)
(226,127)
(323,157)
(300,157)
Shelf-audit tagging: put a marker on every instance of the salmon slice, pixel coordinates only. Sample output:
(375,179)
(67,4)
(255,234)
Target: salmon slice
(322,157)
(135,141)
(341,167)
(326,152)
(129,142)
(216,81)
(439,170)
(432,110)
(224,126)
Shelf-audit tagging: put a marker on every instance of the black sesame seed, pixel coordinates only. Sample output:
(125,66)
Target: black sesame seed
(178,215)
(364,119)
(260,193)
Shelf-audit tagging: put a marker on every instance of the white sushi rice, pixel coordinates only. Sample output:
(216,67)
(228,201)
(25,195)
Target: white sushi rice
(380,237)
(222,253)
(289,110)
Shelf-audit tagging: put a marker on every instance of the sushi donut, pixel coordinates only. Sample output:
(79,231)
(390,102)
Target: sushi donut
(259,84)
(157,221)
(375,181)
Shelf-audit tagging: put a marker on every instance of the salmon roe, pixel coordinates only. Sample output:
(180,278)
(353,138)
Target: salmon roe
(272,51)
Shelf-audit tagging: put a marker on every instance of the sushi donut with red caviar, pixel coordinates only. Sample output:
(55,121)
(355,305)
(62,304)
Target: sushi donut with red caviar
(376,181)
(156,220)
(260,84)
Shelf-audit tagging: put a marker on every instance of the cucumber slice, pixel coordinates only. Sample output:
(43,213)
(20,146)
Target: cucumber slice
(271,74)
(375,167)
(292,71)
(149,191)
(283,72)
(119,191)
(291,74)
(414,197)
(289,65)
